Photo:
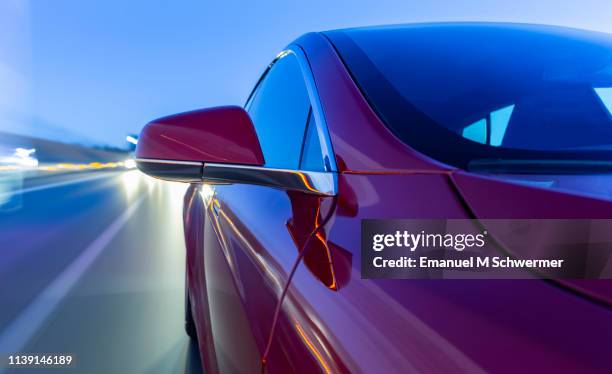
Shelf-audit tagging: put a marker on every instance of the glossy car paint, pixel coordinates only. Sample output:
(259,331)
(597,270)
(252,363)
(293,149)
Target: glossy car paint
(219,134)
(243,242)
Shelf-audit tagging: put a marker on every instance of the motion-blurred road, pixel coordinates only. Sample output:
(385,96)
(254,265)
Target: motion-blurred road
(92,264)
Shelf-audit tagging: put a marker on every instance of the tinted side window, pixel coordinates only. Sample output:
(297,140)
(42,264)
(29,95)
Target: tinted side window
(312,155)
(279,111)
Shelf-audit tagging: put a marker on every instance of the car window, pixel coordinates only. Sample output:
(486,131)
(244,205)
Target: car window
(466,94)
(279,110)
(312,155)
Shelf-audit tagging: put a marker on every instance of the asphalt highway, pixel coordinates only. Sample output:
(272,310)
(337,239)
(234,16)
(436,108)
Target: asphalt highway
(92,265)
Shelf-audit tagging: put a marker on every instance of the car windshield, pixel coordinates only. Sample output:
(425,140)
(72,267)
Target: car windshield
(464,93)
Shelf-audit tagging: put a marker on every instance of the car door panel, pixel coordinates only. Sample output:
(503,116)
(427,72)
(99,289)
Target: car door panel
(234,345)
(224,331)
(253,221)
(197,223)
(294,345)
(398,326)
(351,328)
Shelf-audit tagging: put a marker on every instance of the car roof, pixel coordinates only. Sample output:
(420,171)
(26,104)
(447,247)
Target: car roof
(475,26)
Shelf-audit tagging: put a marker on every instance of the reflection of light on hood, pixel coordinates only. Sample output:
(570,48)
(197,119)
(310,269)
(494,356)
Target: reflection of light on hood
(207,192)
(313,349)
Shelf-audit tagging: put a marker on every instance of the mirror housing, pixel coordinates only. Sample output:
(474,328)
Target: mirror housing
(217,145)
(174,147)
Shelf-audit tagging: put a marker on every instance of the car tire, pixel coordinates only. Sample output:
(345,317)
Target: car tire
(190,327)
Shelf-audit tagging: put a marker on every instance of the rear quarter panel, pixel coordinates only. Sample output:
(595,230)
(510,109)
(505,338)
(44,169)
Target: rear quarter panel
(433,325)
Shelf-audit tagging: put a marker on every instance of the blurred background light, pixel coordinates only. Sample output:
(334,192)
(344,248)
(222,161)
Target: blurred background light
(131,139)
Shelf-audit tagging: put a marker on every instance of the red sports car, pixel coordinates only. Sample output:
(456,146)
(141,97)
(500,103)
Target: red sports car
(441,121)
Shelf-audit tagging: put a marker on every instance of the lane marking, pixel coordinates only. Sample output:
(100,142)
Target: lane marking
(16,335)
(54,185)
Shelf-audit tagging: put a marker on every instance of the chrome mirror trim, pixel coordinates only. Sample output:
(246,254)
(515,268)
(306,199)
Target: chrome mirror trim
(314,182)
(171,162)
(319,183)
(171,170)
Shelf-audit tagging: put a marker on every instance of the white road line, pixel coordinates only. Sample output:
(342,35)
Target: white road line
(15,337)
(56,184)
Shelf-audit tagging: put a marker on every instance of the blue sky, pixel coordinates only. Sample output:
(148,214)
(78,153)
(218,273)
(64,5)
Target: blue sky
(96,70)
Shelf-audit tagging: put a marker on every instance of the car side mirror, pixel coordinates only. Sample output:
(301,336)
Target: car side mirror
(218,146)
